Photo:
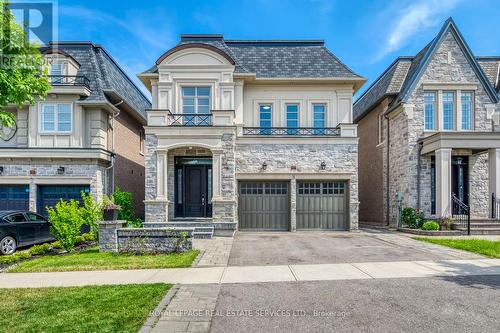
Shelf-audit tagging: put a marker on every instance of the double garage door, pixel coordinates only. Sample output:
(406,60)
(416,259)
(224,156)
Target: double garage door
(265,206)
(16,197)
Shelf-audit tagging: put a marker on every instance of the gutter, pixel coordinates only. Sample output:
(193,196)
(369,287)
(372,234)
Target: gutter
(112,166)
(419,163)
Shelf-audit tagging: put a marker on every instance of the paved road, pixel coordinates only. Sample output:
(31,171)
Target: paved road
(286,248)
(445,304)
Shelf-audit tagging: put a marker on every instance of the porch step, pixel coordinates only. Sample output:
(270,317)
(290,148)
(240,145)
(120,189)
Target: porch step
(481,231)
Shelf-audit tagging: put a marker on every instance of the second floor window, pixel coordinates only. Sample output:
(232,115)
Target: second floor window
(265,111)
(430,110)
(196,100)
(466,100)
(292,118)
(319,118)
(56,117)
(448,110)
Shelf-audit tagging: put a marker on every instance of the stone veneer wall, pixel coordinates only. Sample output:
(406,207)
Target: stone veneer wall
(339,158)
(96,172)
(153,211)
(447,65)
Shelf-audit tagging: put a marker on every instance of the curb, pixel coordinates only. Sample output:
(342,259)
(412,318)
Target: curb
(156,313)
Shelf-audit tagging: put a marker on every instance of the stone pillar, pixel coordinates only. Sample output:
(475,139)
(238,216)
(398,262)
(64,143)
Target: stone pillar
(493,174)
(293,204)
(216,174)
(443,182)
(108,239)
(33,189)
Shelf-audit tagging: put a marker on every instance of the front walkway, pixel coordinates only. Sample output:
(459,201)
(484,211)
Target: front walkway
(253,274)
(213,252)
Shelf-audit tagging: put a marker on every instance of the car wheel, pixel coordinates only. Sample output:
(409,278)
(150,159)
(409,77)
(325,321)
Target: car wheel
(8,245)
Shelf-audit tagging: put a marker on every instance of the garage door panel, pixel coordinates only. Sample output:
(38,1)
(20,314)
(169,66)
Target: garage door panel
(321,205)
(14,197)
(263,206)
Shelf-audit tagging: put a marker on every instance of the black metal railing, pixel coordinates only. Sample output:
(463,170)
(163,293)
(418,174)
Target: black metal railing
(460,213)
(69,80)
(495,207)
(189,119)
(287,131)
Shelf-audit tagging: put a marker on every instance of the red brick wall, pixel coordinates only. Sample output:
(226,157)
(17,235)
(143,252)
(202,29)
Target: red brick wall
(129,167)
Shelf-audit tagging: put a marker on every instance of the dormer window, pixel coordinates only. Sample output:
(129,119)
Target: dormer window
(56,70)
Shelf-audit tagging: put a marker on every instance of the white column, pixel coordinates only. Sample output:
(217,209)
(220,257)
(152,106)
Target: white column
(493,173)
(216,174)
(439,110)
(161,176)
(443,182)
(458,121)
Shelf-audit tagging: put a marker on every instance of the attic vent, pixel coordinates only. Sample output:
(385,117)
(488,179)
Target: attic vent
(449,57)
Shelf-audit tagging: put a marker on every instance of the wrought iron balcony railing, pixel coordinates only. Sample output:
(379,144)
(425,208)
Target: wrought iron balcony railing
(287,131)
(69,80)
(189,119)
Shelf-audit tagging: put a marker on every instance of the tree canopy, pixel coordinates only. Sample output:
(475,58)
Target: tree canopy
(23,76)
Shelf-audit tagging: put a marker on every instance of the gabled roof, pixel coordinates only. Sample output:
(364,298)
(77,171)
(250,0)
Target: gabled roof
(274,58)
(108,81)
(414,68)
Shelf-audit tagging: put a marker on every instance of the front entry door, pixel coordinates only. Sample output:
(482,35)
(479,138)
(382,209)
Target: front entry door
(196,196)
(193,192)
(460,179)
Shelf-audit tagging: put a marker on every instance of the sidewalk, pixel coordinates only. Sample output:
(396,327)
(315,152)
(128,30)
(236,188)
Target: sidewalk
(253,274)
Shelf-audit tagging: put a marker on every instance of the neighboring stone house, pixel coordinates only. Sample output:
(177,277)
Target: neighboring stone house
(252,134)
(85,136)
(435,118)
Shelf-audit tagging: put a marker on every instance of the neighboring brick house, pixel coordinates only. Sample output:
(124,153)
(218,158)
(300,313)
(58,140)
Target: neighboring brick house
(85,136)
(438,112)
(252,134)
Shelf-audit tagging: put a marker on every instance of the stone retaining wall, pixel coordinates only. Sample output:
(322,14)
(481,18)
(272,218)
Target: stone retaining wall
(114,237)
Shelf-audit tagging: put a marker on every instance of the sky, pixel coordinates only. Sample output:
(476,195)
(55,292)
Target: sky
(365,35)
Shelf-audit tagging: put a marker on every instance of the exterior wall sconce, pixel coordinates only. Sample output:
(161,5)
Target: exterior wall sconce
(1,170)
(264,166)
(323,166)
(60,170)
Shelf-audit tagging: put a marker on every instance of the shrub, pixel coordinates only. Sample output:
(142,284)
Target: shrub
(12,258)
(40,249)
(87,237)
(67,220)
(412,218)
(91,212)
(124,200)
(430,225)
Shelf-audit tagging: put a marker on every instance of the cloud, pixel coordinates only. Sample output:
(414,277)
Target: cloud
(134,28)
(414,18)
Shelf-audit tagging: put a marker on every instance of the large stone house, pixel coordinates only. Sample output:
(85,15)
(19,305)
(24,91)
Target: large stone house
(85,136)
(250,134)
(429,133)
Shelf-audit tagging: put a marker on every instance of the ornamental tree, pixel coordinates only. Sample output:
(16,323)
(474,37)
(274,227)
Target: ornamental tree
(23,76)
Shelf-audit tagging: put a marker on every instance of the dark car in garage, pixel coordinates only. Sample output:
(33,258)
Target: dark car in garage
(22,228)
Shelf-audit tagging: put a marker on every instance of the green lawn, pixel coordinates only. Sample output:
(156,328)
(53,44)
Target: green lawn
(91,260)
(122,308)
(485,247)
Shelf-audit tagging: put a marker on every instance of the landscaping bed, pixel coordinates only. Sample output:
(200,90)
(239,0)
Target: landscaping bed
(480,246)
(120,308)
(91,259)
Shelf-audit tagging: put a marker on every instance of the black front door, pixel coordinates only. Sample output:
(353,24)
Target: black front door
(460,179)
(193,192)
(196,195)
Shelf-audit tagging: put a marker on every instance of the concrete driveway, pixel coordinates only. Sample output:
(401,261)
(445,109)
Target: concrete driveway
(287,248)
(448,304)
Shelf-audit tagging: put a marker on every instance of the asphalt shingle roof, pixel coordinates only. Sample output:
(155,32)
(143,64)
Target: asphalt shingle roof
(278,58)
(104,75)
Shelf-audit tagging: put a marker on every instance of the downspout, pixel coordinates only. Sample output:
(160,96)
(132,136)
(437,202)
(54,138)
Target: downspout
(111,123)
(388,192)
(419,163)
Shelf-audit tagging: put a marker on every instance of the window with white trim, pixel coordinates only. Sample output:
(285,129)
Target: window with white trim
(448,110)
(430,110)
(56,117)
(196,100)
(467,107)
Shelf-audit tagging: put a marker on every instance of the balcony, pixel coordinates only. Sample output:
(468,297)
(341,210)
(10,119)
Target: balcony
(70,84)
(165,117)
(286,131)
